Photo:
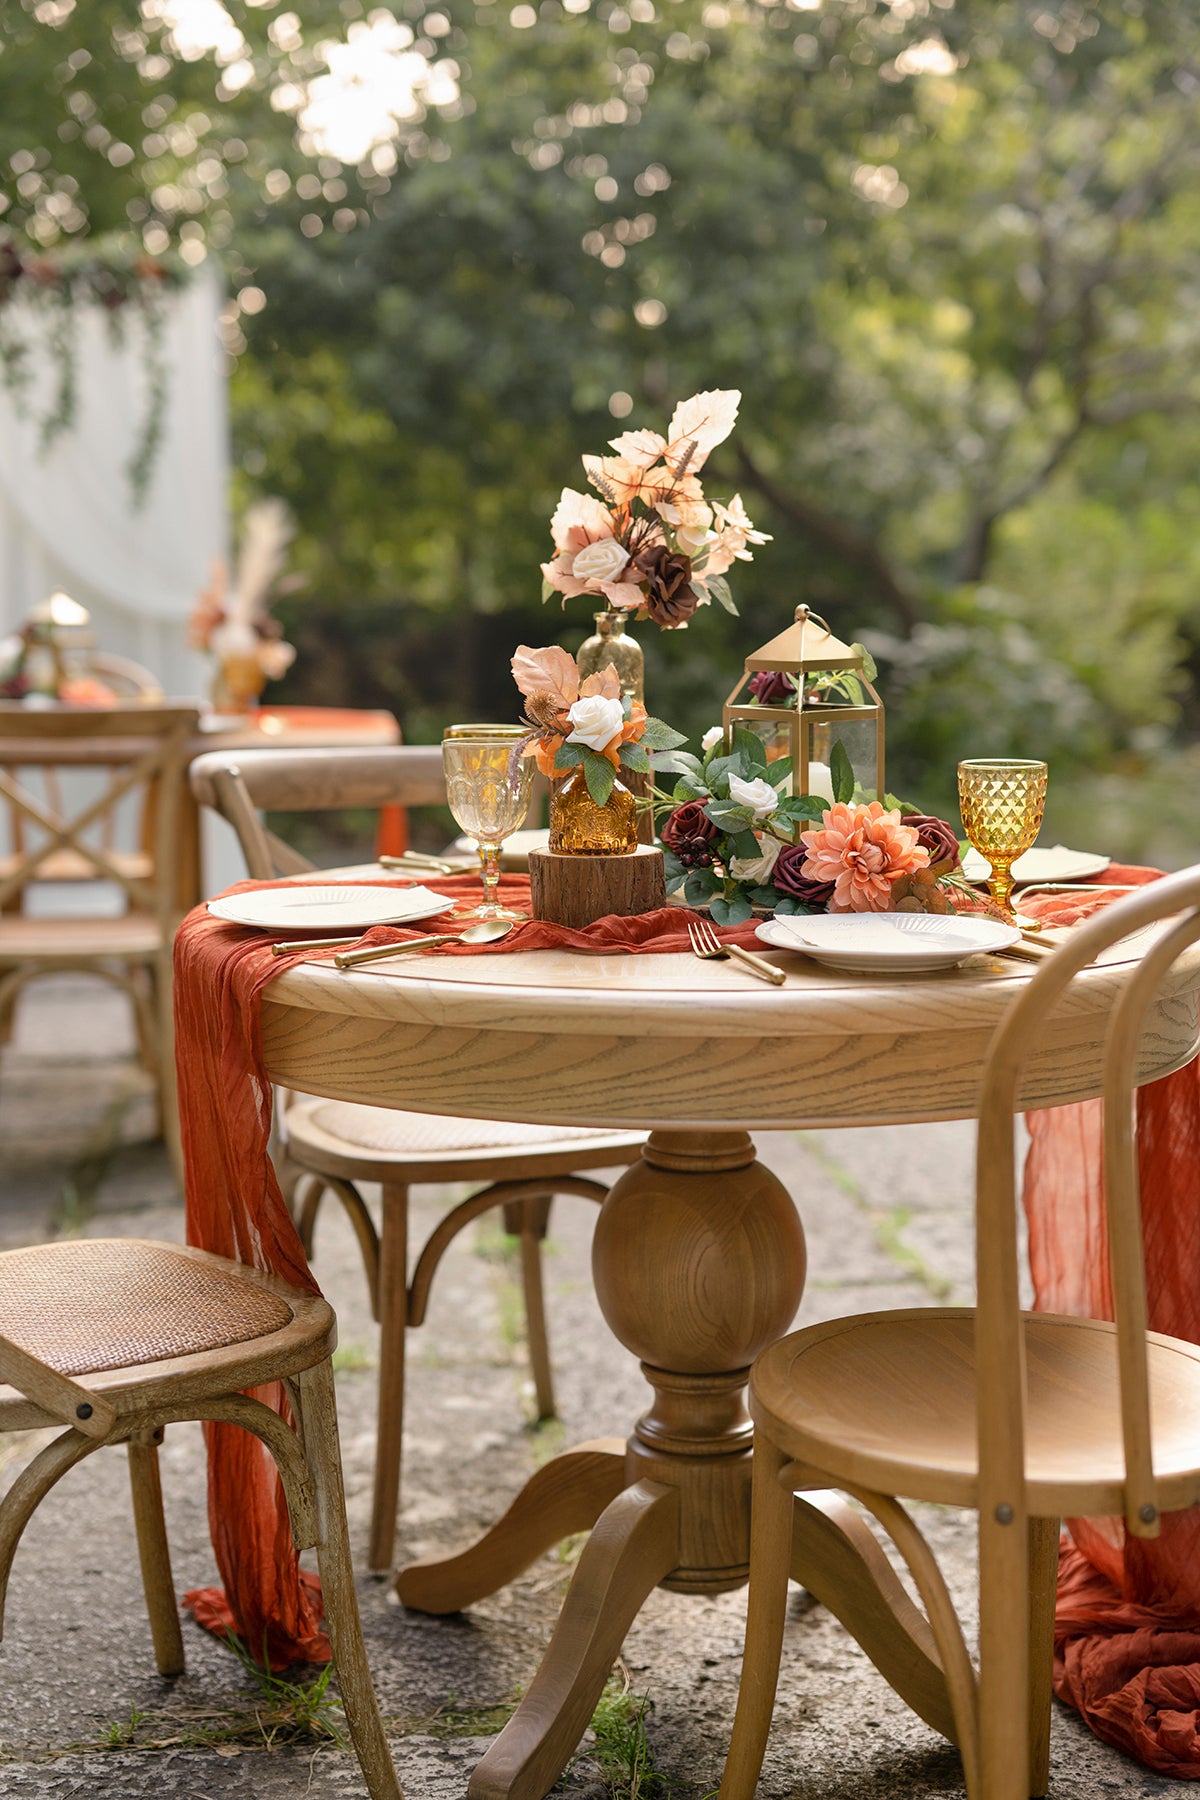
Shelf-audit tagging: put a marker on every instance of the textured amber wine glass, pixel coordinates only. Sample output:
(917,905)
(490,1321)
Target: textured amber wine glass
(1002,802)
(488,793)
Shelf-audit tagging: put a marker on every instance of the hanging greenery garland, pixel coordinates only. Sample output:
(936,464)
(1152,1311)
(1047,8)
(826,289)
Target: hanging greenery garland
(114,273)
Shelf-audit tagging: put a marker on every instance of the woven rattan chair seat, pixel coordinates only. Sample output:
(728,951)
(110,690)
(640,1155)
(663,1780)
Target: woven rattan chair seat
(385,1132)
(87,1306)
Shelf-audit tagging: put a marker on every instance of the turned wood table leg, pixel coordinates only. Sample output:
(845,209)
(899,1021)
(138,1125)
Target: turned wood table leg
(634,1544)
(698,1261)
(566,1495)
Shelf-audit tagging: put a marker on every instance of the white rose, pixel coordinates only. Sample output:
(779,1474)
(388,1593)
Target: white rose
(597,721)
(757,868)
(758,795)
(601,561)
(713,736)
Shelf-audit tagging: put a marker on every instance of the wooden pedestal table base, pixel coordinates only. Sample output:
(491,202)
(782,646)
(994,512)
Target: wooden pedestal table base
(699,1264)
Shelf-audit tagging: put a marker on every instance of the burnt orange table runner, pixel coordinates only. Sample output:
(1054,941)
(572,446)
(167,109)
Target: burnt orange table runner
(1128,1635)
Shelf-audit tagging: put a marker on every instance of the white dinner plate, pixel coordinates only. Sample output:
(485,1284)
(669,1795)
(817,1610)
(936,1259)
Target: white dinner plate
(886,943)
(514,852)
(1055,863)
(310,908)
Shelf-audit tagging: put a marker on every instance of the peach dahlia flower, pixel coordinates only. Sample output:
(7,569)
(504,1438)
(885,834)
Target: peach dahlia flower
(862,850)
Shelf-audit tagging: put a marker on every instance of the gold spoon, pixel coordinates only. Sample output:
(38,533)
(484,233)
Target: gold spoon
(486,932)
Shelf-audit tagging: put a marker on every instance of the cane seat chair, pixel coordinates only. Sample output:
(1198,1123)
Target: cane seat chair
(332,1145)
(114,1340)
(1027,1418)
(122,772)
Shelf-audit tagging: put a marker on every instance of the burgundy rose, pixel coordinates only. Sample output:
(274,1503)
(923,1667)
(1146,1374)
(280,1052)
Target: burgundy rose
(771,687)
(935,835)
(686,823)
(670,597)
(789,877)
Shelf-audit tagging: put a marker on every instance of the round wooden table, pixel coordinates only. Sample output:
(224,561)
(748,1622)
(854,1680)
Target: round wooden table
(698,1256)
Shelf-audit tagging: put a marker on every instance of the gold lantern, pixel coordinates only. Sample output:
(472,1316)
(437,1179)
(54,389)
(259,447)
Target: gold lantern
(833,703)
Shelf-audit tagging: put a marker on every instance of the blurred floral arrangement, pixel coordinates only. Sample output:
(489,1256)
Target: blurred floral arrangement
(586,723)
(235,625)
(115,273)
(733,842)
(652,545)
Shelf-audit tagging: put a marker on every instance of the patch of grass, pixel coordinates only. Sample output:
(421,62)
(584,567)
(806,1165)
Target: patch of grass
(348,1357)
(620,1748)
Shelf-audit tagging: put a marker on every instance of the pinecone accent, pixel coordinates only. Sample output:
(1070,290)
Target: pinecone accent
(919,892)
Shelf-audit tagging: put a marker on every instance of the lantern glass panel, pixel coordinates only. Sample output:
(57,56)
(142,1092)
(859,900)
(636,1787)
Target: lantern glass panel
(858,737)
(775,735)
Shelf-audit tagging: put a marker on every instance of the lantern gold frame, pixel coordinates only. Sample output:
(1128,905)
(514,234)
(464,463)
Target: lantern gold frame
(807,647)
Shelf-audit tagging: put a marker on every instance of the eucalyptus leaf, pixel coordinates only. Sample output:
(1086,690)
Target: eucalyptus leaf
(660,736)
(673,869)
(718,587)
(841,774)
(700,886)
(730,912)
(764,896)
(599,774)
(727,817)
(676,762)
(868,661)
(750,745)
(746,844)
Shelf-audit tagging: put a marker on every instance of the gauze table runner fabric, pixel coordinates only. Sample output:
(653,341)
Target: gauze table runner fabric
(1128,1637)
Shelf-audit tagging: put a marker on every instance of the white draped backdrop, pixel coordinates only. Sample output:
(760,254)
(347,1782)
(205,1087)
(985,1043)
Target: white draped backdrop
(67,516)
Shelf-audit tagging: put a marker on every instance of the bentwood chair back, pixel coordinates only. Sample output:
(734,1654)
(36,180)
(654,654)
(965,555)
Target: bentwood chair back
(111,1340)
(123,770)
(1026,1417)
(332,1145)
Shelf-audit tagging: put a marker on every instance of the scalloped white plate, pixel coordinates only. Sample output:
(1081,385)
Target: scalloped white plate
(1053,863)
(310,908)
(886,943)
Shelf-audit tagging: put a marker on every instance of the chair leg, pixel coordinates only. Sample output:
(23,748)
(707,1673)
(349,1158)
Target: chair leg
(531,1220)
(393,1329)
(155,1557)
(1004,1680)
(319,1409)
(168,1098)
(770,1555)
(1043,1586)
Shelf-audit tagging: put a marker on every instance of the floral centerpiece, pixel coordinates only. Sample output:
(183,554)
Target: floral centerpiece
(236,627)
(585,724)
(652,546)
(734,839)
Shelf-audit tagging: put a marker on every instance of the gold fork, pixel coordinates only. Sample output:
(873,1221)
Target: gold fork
(706,944)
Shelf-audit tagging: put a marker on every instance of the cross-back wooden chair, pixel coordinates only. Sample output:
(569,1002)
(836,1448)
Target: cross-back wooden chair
(114,1340)
(332,1145)
(1026,1417)
(125,780)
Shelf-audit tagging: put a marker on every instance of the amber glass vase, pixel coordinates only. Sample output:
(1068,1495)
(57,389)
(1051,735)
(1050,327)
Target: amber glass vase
(578,827)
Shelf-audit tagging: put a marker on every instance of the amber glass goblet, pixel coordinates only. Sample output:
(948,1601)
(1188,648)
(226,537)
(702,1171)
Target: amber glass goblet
(1002,802)
(488,788)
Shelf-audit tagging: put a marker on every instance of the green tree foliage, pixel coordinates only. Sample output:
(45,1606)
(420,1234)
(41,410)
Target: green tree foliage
(948,249)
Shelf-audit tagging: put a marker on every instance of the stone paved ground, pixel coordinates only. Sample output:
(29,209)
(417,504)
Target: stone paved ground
(887,1220)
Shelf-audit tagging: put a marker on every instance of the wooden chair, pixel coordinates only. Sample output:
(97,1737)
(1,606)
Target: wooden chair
(132,760)
(114,1339)
(331,1145)
(1026,1417)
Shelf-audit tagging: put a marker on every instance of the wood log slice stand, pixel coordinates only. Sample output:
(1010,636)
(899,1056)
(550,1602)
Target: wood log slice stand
(577,890)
